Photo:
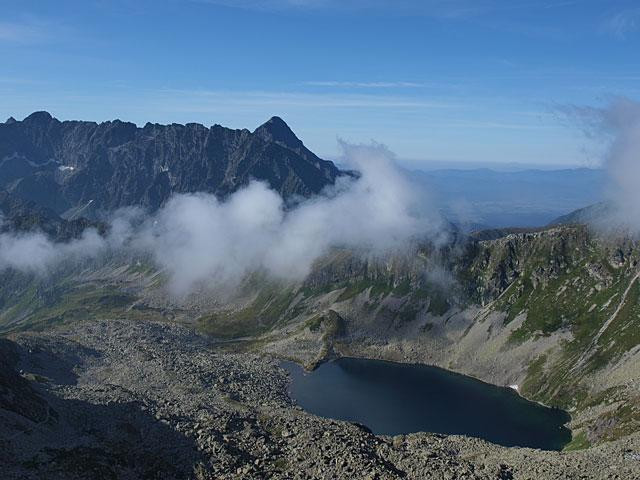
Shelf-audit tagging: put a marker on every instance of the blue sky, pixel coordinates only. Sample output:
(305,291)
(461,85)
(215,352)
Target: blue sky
(435,80)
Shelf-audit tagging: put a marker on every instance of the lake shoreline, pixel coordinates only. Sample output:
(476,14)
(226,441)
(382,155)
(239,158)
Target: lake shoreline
(483,393)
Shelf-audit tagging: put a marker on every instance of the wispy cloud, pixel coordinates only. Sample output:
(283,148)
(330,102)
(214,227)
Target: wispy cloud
(443,9)
(19,81)
(214,98)
(16,32)
(269,4)
(615,128)
(339,84)
(489,125)
(623,23)
(446,8)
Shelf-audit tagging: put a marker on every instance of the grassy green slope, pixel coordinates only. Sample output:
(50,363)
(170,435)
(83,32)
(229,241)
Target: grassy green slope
(573,281)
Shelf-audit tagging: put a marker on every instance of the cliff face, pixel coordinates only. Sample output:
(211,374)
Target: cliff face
(71,164)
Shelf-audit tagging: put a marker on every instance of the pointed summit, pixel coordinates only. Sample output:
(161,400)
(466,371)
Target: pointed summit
(10,120)
(39,117)
(276,130)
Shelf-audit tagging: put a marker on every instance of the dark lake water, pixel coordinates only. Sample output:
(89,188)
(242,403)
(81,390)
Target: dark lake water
(394,398)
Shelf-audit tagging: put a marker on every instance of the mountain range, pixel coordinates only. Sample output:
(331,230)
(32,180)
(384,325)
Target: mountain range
(76,166)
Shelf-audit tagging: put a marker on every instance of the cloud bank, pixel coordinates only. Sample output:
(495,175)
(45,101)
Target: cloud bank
(201,241)
(36,253)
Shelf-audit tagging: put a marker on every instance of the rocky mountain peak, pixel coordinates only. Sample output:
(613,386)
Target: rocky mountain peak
(276,130)
(40,117)
(10,120)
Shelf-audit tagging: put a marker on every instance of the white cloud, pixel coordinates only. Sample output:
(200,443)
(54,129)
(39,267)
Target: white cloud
(201,241)
(623,23)
(35,252)
(622,161)
(618,126)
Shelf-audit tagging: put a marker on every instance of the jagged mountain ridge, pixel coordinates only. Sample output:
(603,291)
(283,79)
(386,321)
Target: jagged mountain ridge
(69,165)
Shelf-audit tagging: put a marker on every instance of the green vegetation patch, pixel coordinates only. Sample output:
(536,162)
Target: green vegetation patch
(579,441)
(66,305)
(378,289)
(269,308)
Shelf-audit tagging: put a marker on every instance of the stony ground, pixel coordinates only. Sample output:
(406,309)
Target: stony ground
(128,400)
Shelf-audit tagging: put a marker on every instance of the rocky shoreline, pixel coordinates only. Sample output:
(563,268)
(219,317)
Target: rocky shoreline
(155,400)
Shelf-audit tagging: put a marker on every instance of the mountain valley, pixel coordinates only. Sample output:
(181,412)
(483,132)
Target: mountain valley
(102,357)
